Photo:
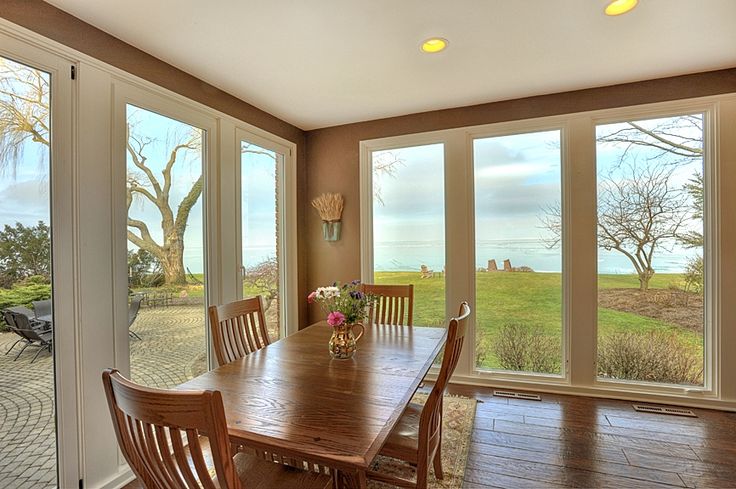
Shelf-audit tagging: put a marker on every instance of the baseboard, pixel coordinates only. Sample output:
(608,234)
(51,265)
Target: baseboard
(124,476)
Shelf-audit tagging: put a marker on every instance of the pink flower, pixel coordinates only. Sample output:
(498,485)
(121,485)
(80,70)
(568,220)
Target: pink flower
(335,318)
(310,297)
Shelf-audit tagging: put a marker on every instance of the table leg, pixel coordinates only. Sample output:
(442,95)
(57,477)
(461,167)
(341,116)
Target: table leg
(349,480)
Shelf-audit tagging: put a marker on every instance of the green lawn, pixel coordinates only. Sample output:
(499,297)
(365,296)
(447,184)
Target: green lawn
(531,299)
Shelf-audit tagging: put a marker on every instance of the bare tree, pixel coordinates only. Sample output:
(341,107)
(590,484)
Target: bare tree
(679,139)
(145,184)
(24,111)
(384,163)
(640,213)
(264,277)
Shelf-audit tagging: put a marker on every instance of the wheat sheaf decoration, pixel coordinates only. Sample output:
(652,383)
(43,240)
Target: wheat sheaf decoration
(329,206)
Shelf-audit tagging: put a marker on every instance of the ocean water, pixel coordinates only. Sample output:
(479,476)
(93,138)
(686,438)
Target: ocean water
(410,255)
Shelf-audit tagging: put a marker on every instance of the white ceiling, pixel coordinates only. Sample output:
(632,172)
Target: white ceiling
(318,63)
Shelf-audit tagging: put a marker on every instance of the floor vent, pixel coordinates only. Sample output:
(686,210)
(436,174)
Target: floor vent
(518,395)
(674,411)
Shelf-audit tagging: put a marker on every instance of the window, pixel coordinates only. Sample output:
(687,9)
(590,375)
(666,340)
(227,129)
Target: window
(261,179)
(651,250)
(166,252)
(27,393)
(409,225)
(518,263)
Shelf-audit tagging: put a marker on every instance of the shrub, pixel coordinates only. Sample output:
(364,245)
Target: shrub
(655,356)
(22,295)
(526,348)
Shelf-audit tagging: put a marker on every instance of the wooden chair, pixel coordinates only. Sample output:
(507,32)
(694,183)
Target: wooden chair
(238,328)
(150,424)
(417,436)
(394,304)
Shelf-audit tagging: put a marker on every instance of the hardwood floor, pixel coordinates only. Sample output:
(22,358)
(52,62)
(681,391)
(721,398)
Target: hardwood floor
(569,441)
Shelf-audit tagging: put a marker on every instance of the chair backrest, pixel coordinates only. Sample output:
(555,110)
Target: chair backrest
(393,304)
(431,418)
(150,425)
(238,328)
(24,327)
(133,308)
(10,321)
(42,308)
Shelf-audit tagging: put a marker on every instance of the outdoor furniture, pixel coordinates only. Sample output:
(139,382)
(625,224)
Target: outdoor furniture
(291,398)
(238,328)
(417,437)
(393,304)
(150,424)
(426,272)
(133,308)
(42,308)
(23,326)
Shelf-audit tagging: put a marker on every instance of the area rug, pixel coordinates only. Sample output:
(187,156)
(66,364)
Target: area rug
(457,428)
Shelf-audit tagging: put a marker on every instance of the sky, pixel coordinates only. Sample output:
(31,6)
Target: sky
(516,178)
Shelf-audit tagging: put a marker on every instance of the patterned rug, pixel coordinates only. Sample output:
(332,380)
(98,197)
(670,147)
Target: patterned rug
(457,427)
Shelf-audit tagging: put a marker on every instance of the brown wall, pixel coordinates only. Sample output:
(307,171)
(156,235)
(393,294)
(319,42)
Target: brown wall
(53,23)
(333,153)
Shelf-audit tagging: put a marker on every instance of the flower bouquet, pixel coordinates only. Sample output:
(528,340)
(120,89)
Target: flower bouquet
(346,307)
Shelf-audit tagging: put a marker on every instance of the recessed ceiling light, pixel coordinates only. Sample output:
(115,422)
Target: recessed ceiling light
(434,45)
(618,7)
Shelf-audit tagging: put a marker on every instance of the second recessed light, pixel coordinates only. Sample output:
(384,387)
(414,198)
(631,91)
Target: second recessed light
(434,45)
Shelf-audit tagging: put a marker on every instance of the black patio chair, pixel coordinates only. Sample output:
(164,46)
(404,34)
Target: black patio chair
(133,308)
(24,327)
(42,308)
(8,316)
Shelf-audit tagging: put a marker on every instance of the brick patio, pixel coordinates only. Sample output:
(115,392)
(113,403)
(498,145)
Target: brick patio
(171,351)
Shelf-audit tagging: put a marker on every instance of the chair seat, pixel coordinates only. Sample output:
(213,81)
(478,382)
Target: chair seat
(403,442)
(256,473)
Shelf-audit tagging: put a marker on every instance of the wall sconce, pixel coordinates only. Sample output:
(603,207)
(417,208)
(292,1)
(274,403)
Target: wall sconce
(330,207)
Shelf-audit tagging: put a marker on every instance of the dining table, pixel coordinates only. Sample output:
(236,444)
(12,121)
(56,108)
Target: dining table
(291,398)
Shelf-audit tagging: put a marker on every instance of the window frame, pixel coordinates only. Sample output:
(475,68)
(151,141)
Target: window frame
(287,209)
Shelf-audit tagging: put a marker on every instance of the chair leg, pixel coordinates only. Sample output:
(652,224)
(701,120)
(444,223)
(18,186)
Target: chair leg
(37,354)
(437,462)
(21,351)
(18,341)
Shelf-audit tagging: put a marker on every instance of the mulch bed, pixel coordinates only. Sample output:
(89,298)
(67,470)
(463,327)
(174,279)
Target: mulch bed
(669,305)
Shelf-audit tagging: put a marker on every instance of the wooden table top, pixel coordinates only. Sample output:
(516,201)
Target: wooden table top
(293,398)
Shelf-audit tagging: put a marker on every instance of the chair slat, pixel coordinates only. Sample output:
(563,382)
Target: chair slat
(393,304)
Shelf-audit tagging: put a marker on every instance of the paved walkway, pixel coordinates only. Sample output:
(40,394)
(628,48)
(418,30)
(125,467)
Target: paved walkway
(170,352)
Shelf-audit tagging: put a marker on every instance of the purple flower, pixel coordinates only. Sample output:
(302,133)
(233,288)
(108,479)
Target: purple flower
(355,282)
(356,294)
(335,318)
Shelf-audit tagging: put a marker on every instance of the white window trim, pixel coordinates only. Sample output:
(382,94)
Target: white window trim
(583,380)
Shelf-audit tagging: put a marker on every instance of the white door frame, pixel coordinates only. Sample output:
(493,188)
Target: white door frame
(64,233)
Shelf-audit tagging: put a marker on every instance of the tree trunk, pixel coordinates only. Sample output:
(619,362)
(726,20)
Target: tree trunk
(644,278)
(174,264)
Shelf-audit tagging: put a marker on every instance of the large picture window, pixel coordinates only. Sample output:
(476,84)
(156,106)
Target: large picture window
(587,244)
(651,250)
(409,225)
(518,279)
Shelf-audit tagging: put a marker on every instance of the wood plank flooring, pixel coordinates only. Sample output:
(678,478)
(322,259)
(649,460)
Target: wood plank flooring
(570,441)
